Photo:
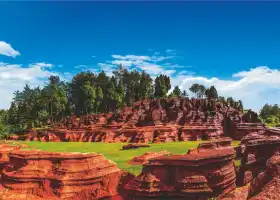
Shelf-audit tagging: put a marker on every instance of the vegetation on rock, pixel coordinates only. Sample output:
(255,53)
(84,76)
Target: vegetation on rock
(270,115)
(90,93)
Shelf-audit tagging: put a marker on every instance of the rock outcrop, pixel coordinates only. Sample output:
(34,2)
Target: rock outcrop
(239,125)
(256,150)
(202,173)
(144,158)
(157,120)
(60,175)
(134,146)
(266,184)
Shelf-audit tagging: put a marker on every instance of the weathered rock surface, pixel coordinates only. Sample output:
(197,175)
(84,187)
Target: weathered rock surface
(239,125)
(144,158)
(134,146)
(60,175)
(157,120)
(4,153)
(256,150)
(200,174)
(266,184)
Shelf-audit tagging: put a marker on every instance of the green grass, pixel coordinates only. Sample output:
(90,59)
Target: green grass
(237,162)
(113,151)
(235,143)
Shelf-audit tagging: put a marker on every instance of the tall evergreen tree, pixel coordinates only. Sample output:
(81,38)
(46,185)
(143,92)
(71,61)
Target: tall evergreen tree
(177,92)
(162,85)
(211,93)
(90,97)
(99,98)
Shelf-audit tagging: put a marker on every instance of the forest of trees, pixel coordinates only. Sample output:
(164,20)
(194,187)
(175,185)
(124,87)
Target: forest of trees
(270,115)
(90,93)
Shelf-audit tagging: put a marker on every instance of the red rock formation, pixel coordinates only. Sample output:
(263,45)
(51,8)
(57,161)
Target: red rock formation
(145,135)
(134,146)
(143,159)
(200,174)
(4,152)
(266,184)
(238,125)
(157,120)
(62,175)
(256,150)
(165,134)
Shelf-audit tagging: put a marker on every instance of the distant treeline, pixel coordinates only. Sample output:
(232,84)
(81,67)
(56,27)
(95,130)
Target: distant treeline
(270,115)
(89,93)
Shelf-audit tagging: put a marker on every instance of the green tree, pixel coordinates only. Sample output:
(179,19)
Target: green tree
(240,105)
(184,94)
(195,89)
(146,87)
(99,98)
(230,101)
(211,93)
(55,96)
(111,94)
(201,91)
(177,92)
(162,85)
(89,96)
(120,95)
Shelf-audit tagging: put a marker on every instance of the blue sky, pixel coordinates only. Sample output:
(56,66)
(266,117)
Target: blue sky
(232,45)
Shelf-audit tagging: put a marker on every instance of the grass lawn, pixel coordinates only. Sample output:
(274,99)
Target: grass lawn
(112,151)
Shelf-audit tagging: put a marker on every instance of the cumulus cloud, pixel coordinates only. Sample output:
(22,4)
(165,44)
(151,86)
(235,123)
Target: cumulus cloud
(14,77)
(254,87)
(155,64)
(107,68)
(7,50)
(41,64)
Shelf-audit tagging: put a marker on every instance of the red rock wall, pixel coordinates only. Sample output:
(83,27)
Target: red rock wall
(158,120)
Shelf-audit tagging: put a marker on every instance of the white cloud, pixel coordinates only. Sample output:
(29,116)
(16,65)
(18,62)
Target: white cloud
(14,77)
(156,58)
(254,87)
(42,65)
(7,50)
(151,64)
(80,66)
(170,51)
(131,57)
(107,68)
(125,63)
(185,72)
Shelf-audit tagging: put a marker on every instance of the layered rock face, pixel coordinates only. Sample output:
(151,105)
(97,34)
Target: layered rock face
(4,153)
(143,159)
(266,184)
(256,150)
(158,120)
(202,173)
(60,175)
(239,125)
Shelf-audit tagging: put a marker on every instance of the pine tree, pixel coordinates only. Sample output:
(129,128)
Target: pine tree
(211,93)
(177,92)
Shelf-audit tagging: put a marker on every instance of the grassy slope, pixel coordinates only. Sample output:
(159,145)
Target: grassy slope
(112,150)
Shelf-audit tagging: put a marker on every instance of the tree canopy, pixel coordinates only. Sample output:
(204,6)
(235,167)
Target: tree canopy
(89,93)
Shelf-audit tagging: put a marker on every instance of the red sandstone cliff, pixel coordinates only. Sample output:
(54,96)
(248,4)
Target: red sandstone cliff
(158,120)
